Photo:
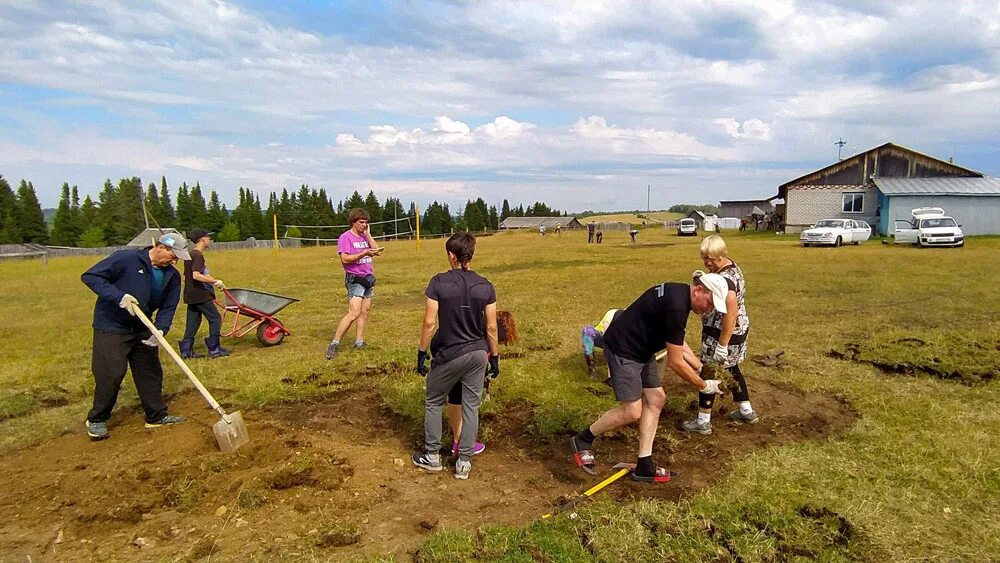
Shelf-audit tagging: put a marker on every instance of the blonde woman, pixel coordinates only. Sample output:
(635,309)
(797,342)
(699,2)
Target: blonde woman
(724,337)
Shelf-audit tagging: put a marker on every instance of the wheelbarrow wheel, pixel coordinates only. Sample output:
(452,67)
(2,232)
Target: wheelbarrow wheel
(270,334)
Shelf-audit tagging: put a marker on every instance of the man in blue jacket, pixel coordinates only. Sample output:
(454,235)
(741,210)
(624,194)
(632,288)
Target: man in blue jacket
(128,279)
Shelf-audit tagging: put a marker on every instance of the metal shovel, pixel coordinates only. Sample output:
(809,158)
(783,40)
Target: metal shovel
(230,432)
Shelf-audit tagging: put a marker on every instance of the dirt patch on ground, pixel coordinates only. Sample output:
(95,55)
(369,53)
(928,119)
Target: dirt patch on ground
(332,479)
(969,362)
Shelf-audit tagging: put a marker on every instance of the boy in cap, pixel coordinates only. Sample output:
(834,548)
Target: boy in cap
(199,296)
(142,279)
(656,319)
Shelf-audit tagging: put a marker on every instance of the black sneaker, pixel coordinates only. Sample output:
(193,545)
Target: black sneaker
(430,462)
(167,420)
(331,350)
(97,430)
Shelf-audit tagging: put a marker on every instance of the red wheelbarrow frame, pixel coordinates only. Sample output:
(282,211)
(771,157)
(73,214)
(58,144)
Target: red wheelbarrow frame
(255,319)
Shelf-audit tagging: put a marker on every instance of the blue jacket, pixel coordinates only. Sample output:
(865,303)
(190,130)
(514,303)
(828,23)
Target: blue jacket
(130,271)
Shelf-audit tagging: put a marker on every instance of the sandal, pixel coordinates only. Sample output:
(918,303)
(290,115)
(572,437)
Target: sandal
(661,475)
(584,458)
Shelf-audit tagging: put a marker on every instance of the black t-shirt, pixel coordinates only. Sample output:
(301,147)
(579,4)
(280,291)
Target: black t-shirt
(195,291)
(462,298)
(658,317)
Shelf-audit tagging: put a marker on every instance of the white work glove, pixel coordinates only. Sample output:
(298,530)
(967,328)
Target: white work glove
(712,387)
(218,284)
(721,354)
(127,302)
(152,342)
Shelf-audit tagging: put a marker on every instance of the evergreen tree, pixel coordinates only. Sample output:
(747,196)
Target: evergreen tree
(63,230)
(494,219)
(505,210)
(199,210)
(105,208)
(353,202)
(184,216)
(229,233)
(76,216)
(89,216)
(126,213)
(166,206)
(473,218)
(92,238)
(30,220)
(9,233)
(374,210)
(152,200)
(216,217)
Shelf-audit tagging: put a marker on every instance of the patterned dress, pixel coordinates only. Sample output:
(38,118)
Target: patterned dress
(712,322)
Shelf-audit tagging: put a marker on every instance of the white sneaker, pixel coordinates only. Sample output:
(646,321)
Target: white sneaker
(462,469)
(704,428)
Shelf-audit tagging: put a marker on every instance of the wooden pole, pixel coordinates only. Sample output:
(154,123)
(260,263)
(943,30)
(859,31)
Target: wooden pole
(275,223)
(417,210)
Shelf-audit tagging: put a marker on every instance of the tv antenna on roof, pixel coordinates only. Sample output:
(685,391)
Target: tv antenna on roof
(840,146)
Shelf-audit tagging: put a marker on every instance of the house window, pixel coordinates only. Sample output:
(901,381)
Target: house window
(854,202)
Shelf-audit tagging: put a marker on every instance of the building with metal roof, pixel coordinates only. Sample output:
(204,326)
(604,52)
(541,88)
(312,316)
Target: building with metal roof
(847,189)
(972,202)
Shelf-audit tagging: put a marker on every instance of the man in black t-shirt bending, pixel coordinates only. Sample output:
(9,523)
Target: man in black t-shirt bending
(656,319)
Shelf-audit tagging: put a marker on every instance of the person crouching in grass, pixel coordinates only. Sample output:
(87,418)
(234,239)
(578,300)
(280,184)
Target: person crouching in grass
(463,305)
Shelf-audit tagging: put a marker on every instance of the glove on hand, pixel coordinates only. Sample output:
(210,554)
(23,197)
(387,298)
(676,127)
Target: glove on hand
(152,342)
(219,284)
(422,357)
(494,370)
(712,387)
(721,354)
(127,302)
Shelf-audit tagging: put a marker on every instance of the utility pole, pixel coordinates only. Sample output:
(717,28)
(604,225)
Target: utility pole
(840,146)
(647,198)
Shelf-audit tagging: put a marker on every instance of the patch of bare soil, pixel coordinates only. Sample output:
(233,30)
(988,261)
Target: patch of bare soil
(331,479)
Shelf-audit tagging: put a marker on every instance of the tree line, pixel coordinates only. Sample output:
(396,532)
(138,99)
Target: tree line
(116,216)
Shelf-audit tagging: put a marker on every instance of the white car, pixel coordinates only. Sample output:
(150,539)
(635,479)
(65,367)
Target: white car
(836,232)
(929,226)
(687,227)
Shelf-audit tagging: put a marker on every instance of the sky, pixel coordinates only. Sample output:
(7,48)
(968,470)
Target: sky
(582,105)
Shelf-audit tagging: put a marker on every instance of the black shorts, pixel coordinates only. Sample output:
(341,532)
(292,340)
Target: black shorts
(629,378)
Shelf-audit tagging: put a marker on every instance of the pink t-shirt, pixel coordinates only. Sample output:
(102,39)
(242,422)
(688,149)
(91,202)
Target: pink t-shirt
(350,243)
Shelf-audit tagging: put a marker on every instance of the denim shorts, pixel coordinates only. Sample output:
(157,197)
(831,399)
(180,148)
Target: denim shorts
(358,290)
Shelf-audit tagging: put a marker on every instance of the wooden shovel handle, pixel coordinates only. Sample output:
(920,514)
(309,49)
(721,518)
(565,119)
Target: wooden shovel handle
(177,359)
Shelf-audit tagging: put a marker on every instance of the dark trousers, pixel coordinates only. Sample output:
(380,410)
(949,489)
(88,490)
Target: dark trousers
(113,355)
(740,393)
(590,236)
(195,312)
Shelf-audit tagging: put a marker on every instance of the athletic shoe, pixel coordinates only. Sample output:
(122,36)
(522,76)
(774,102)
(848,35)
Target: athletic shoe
(462,469)
(331,350)
(166,420)
(359,345)
(430,462)
(738,416)
(97,430)
(477,449)
(704,428)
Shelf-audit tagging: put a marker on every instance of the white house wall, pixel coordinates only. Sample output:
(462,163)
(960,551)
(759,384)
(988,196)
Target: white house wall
(805,205)
(978,215)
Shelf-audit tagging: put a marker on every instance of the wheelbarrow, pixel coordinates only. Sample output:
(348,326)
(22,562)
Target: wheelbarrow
(254,310)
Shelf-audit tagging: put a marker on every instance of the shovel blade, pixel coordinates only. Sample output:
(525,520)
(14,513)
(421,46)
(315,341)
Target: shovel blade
(232,433)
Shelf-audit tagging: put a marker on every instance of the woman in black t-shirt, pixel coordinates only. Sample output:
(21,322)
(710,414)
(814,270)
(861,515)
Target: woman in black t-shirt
(463,306)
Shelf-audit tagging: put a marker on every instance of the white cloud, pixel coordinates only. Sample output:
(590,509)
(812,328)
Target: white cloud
(753,129)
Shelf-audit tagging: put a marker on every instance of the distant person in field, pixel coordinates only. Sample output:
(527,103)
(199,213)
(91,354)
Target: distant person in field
(631,233)
(558,228)
(356,248)
(657,319)
(124,282)
(199,296)
(541,230)
(462,304)
(591,227)
(600,236)
(724,337)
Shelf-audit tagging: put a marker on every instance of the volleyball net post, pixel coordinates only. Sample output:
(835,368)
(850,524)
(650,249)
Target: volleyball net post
(275,222)
(416,213)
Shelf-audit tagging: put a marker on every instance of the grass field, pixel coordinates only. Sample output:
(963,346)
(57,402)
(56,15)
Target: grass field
(633,218)
(916,477)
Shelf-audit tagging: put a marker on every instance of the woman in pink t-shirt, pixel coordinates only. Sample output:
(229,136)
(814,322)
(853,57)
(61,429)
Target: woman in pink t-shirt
(356,247)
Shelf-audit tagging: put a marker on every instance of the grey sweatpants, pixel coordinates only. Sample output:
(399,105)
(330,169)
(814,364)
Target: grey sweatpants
(470,369)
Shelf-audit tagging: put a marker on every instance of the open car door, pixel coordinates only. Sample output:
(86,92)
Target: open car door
(904,232)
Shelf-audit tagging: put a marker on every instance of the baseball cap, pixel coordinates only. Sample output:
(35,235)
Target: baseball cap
(719,288)
(197,234)
(175,242)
